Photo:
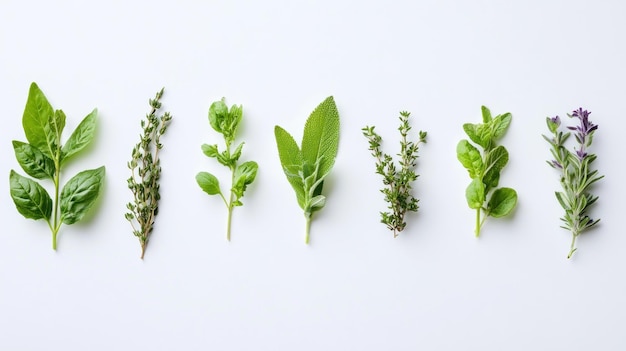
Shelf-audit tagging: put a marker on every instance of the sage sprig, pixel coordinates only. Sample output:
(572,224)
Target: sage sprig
(575,172)
(44,157)
(485,168)
(397,184)
(226,122)
(145,169)
(307,166)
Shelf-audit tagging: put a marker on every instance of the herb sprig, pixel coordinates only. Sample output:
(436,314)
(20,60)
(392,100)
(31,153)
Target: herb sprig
(485,168)
(397,184)
(43,157)
(307,166)
(226,122)
(576,172)
(145,168)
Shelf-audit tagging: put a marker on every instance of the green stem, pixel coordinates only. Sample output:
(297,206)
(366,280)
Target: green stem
(478,222)
(572,248)
(56,225)
(308,228)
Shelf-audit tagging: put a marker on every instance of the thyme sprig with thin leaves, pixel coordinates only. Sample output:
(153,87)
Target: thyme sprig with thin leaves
(226,122)
(397,184)
(485,168)
(576,173)
(145,167)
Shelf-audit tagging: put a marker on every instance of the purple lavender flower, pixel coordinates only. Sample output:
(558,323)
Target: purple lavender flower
(553,123)
(581,154)
(585,128)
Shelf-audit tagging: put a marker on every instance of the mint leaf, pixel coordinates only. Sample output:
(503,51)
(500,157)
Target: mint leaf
(502,202)
(475,194)
(470,158)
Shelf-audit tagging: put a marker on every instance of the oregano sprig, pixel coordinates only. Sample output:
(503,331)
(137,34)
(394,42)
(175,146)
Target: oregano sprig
(485,168)
(307,166)
(226,122)
(145,169)
(43,157)
(397,184)
(575,172)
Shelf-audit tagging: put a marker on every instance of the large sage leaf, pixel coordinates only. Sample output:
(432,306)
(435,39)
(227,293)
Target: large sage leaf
(320,140)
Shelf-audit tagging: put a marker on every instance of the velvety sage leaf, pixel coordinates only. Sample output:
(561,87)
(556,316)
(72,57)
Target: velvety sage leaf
(30,198)
(497,159)
(33,161)
(475,194)
(245,174)
(502,202)
(486,114)
(470,158)
(82,135)
(501,124)
(210,150)
(80,194)
(292,162)
(218,114)
(209,183)
(38,122)
(320,140)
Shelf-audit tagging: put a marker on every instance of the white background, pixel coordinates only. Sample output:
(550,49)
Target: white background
(435,287)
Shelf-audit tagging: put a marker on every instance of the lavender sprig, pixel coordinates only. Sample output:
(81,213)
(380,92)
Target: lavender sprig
(576,172)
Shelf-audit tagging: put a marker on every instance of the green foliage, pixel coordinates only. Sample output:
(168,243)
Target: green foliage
(226,122)
(43,157)
(145,168)
(484,168)
(307,166)
(397,184)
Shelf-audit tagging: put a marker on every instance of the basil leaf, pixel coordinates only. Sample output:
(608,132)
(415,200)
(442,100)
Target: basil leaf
(320,140)
(502,202)
(82,135)
(80,193)
(30,198)
(208,183)
(37,124)
(210,150)
(475,194)
(470,158)
(33,161)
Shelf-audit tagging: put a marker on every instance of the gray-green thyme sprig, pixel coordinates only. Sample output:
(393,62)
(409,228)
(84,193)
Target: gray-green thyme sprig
(145,167)
(576,173)
(397,184)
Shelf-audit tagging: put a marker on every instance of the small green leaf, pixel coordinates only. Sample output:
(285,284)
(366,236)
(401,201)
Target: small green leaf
(208,183)
(501,124)
(244,176)
(37,122)
(496,160)
(475,194)
(470,158)
(80,194)
(320,140)
(210,150)
(237,153)
(486,114)
(218,113)
(33,161)
(317,203)
(82,135)
(292,162)
(30,198)
(502,202)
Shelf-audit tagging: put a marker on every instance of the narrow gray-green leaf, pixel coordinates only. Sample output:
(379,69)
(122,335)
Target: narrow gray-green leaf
(208,182)
(320,140)
(82,135)
(30,198)
(470,158)
(502,202)
(80,194)
(475,194)
(33,161)
(291,160)
(36,121)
